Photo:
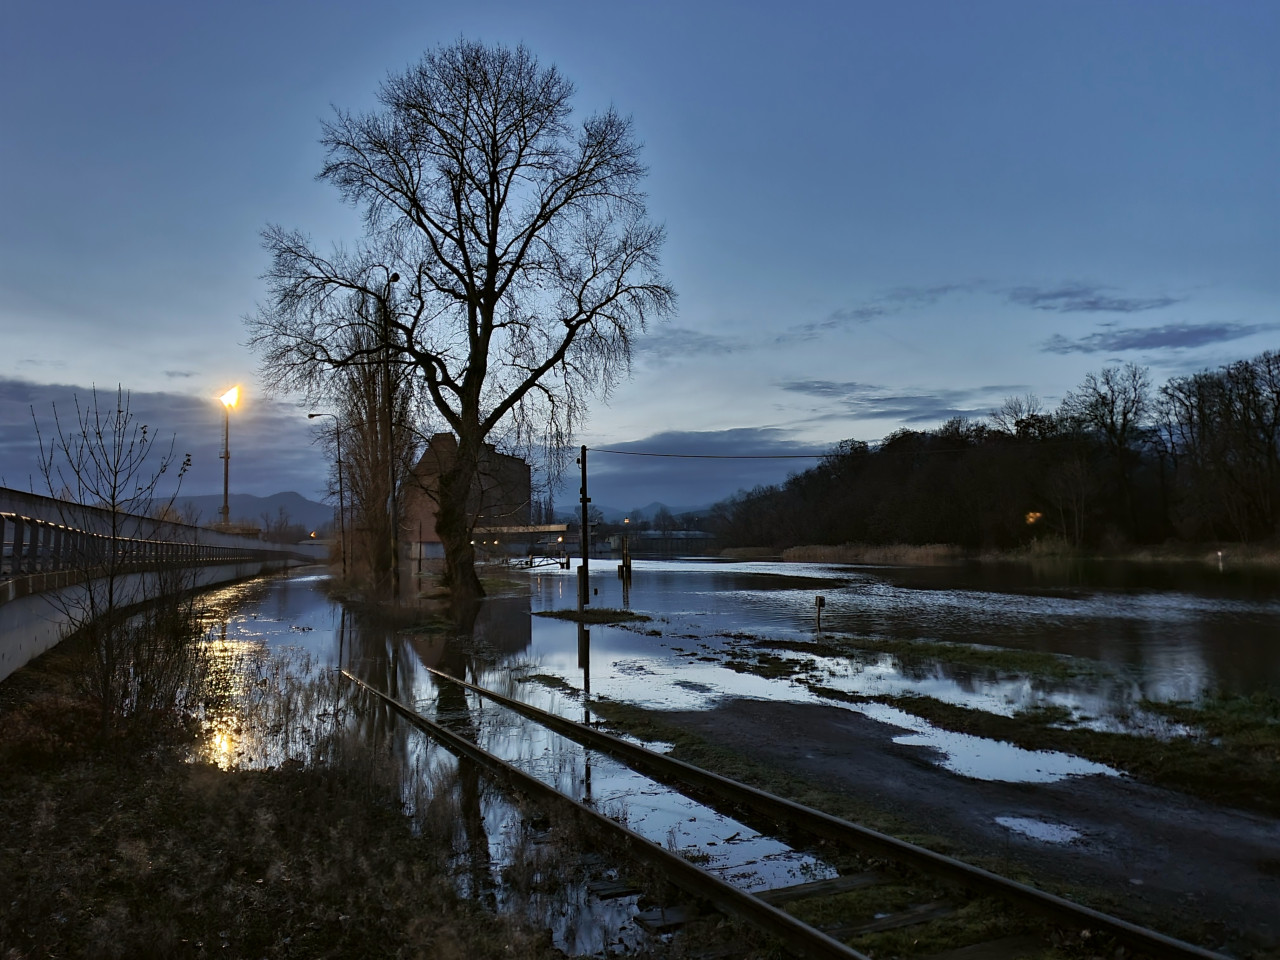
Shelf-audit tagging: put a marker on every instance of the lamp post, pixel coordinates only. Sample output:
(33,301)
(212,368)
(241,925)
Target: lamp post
(393,508)
(229,400)
(342,522)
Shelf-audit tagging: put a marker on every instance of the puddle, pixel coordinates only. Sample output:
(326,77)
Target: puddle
(981,759)
(1041,830)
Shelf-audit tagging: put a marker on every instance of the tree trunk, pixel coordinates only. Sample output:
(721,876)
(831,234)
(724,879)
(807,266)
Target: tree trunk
(454,525)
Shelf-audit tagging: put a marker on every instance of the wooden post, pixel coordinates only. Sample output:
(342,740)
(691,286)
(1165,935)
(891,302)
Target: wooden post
(584,569)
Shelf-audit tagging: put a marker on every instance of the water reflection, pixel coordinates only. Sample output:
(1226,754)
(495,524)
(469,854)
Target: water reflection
(1136,640)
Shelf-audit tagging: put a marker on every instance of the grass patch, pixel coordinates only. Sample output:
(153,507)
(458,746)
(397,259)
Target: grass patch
(1237,764)
(916,654)
(558,684)
(595,615)
(118,847)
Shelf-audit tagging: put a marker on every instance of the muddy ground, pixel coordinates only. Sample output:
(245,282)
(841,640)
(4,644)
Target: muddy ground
(1161,858)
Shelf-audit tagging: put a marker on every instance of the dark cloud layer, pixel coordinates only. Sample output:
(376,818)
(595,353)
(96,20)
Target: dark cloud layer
(1085,298)
(625,480)
(271,441)
(868,401)
(1170,336)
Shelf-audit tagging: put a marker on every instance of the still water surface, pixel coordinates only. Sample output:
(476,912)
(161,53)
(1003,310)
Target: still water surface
(1129,634)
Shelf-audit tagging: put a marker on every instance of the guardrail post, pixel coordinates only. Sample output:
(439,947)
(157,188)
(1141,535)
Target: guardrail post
(19,546)
(45,548)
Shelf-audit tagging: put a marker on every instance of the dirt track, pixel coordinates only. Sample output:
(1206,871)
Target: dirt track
(1161,854)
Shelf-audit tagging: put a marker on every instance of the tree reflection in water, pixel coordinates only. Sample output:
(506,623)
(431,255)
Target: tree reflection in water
(453,712)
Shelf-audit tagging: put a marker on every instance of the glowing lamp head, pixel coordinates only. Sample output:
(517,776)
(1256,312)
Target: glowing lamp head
(230,398)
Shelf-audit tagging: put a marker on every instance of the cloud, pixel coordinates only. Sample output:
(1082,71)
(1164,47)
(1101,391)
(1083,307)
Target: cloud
(675,343)
(895,301)
(1085,298)
(179,374)
(925,295)
(1170,336)
(623,480)
(871,402)
(271,441)
(851,315)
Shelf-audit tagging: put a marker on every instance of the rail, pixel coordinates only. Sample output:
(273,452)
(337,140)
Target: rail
(799,937)
(853,836)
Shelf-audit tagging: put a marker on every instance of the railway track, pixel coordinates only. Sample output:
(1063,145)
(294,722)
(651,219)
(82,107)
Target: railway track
(764,909)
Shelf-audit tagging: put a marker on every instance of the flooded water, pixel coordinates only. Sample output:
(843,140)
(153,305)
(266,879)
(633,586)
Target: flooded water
(1127,635)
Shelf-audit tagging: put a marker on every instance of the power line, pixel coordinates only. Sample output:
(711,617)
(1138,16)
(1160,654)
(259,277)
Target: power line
(715,456)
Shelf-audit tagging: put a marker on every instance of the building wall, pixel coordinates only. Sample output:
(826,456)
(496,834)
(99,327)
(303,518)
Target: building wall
(500,497)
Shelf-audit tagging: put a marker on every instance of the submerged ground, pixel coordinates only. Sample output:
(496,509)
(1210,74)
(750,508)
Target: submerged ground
(1110,734)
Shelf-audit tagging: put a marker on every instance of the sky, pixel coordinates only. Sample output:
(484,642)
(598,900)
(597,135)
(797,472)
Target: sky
(878,215)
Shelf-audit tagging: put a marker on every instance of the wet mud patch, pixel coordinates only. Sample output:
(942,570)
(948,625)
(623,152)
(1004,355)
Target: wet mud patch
(1198,864)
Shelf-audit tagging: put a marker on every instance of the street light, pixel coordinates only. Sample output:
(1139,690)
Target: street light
(229,400)
(342,522)
(393,508)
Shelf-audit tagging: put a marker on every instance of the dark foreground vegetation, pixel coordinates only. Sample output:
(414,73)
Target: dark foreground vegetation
(1118,463)
(113,845)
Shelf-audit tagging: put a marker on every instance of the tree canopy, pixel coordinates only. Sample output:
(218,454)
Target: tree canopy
(526,260)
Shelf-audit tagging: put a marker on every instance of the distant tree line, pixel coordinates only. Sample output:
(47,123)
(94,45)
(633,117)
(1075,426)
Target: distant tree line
(1118,462)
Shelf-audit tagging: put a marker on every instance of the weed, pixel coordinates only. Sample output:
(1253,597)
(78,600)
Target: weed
(595,615)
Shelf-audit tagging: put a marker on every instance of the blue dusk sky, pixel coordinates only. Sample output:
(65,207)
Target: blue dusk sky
(878,214)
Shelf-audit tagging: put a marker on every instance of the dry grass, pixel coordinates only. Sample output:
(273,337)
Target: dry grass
(1234,556)
(902,554)
(748,553)
(118,848)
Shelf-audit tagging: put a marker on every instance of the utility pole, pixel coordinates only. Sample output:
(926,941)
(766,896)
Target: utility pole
(584,585)
(583,598)
(342,521)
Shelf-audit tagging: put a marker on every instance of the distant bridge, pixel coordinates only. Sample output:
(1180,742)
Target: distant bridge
(52,551)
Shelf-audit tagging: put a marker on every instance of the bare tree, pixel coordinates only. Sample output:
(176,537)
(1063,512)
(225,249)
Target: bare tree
(663,521)
(527,258)
(378,453)
(137,627)
(1114,405)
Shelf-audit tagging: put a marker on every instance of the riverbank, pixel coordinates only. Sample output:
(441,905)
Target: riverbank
(117,846)
(1215,556)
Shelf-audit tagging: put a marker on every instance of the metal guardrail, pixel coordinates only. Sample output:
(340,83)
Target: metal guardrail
(29,545)
(47,543)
